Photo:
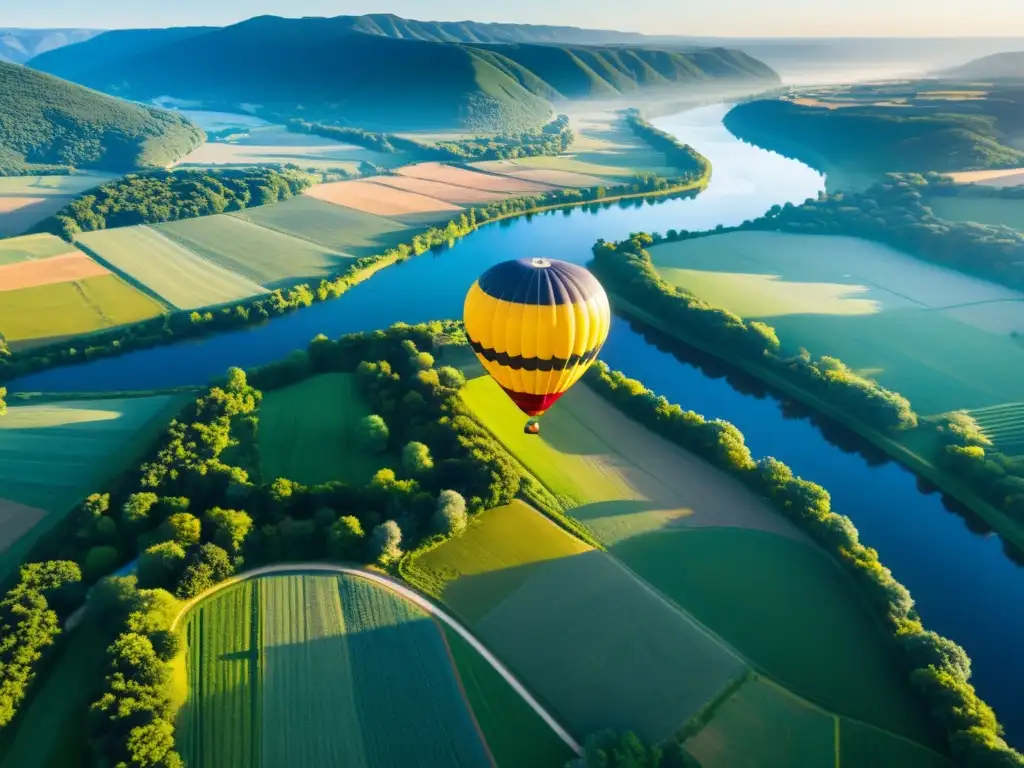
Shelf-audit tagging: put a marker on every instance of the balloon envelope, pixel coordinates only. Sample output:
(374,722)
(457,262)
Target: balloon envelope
(536,325)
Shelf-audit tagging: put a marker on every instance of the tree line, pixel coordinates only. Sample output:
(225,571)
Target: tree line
(679,155)
(937,668)
(159,196)
(552,138)
(627,270)
(172,327)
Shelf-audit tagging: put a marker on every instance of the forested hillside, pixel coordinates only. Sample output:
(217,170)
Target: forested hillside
(384,72)
(875,138)
(48,125)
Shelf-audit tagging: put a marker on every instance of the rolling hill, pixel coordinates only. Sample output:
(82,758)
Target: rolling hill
(19,45)
(48,125)
(382,71)
(998,66)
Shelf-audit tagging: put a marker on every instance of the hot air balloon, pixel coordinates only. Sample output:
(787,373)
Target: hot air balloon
(536,325)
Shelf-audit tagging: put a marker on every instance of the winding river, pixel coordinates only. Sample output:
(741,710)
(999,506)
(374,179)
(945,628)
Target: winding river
(964,584)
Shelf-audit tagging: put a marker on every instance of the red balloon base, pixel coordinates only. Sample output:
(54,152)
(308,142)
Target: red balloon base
(533,405)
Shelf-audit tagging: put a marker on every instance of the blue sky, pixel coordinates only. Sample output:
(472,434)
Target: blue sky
(754,18)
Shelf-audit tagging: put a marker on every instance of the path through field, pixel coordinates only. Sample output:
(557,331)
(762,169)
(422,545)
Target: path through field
(411,596)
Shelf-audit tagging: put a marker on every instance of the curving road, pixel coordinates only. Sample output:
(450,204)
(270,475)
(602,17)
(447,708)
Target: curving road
(412,596)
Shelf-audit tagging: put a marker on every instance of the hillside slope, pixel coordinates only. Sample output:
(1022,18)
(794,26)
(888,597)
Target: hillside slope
(47,124)
(877,140)
(382,71)
(998,66)
(19,45)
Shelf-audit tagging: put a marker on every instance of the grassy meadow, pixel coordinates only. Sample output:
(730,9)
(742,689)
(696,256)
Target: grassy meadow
(261,255)
(27,200)
(681,526)
(938,337)
(175,274)
(333,226)
(36,315)
(566,620)
(982,210)
(14,250)
(53,454)
(308,433)
(312,670)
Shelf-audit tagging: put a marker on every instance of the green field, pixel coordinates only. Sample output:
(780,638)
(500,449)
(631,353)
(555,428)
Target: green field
(27,200)
(938,337)
(516,735)
(178,276)
(54,454)
(862,745)
(1004,426)
(31,316)
(314,670)
(308,433)
(983,210)
(593,642)
(32,247)
(683,527)
(261,255)
(333,226)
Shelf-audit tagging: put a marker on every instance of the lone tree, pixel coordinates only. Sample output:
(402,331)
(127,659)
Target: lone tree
(450,518)
(386,541)
(374,433)
(345,538)
(416,459)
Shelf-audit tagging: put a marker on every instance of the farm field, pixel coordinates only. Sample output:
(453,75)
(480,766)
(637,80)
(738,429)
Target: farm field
(32,316)
(261,255)
(53,454)
(1004,426)
(909,324)
(983,210)
(55,269)
(27,200)
(178,276)
(509,186)
(368,197)
(677,522)
(275,144)
(333,226)
(553,178)
(15,250)
(1006,177)
(515,734)
(515,577)
(311,670)
(604,148)
(308,433)
(449,193)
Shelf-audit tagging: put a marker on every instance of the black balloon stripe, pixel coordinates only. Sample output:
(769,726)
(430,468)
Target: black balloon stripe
(520,363)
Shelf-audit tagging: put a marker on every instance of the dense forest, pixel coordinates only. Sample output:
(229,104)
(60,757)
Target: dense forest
(51,126)
(172,195)
(327,70)
(877,138)
(553,138)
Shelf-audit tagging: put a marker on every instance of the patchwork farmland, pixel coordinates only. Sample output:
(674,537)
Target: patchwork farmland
(312,670)
(308,433)
(380,200)
(681,526)
(938,337)
(181,278)
(53,454)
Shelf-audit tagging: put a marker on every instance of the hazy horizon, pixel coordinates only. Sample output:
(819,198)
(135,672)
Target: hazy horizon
(727,18)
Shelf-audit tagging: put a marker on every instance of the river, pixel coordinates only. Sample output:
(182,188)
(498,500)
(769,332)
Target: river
(965,586)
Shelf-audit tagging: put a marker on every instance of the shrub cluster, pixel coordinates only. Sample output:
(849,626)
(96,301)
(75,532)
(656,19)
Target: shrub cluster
(627,270)
(551,139)
(29,624)
(938,668)
(172,195)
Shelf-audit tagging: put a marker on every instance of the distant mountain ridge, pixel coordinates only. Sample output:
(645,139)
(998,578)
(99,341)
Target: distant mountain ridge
(998,66)
(19,45)
(51,126)
(387,72)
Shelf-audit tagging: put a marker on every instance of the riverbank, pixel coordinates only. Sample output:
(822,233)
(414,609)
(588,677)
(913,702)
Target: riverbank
(174,327)
(1011,531)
